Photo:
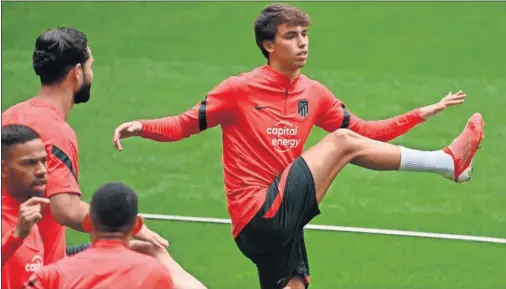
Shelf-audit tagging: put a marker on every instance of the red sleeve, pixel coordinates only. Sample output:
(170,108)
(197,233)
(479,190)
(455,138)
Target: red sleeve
(62,176)
(215,109)
(334,115)
(10,244)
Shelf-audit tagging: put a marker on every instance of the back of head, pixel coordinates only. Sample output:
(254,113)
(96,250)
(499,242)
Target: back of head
(57,51)
(15,134)
(113,208)
(273,15)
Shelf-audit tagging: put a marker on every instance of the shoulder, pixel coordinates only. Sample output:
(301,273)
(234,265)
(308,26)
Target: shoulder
(321,94)
(58,131)
(148,263)
(159,268)
(233,85)
(43,119)
(159,271)
(313,84)
(29,112)
(317,89)
(16,108)
(243,79)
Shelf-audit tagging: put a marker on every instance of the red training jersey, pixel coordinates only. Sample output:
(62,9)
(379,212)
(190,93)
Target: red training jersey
(265,123)
(107,264)
(20,257)
(61,145)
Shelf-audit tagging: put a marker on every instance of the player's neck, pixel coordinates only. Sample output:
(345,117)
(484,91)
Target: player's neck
(110,236)
(290,73)
(58,96)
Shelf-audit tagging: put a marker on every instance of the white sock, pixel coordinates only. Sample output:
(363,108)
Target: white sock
(427,161)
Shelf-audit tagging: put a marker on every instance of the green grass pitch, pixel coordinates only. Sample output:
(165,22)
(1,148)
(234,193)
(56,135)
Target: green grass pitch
(381,59)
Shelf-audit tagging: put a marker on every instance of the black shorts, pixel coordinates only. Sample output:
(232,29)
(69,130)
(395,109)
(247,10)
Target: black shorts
(72,250)
(274,238)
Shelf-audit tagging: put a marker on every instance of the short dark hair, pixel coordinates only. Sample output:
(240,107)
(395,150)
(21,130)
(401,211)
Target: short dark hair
(14,134)
(56,51)
(267,22)
(113,208)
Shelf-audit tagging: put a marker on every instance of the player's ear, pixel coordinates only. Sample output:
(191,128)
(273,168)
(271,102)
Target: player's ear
(78,73)
(268,45)
(139,222)
(87,226)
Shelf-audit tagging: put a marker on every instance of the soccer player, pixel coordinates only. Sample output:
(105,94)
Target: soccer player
(274,188)
(23,182)
(108,263)
(63,62)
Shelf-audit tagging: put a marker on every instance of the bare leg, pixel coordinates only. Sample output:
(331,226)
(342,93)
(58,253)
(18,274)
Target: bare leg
(295,283)
(327,158)
(181,278)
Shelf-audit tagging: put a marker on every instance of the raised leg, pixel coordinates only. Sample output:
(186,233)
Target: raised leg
(327,158)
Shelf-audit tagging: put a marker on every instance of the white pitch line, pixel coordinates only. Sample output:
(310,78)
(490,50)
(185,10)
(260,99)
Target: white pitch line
(339,229)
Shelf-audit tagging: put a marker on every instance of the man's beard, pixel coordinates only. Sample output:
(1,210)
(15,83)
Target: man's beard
(83,95)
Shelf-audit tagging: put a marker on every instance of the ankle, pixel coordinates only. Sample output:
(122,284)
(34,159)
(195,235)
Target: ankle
(439,162)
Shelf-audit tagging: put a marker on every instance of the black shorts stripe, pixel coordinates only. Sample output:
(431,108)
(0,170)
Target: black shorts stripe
(346,118)
(202,114)
(64,158)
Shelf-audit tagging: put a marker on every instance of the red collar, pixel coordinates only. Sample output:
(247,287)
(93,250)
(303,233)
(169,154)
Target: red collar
(278,79)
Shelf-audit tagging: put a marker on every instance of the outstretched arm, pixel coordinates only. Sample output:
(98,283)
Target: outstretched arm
(335,116)
(387,129)
(174,128)
(215,109)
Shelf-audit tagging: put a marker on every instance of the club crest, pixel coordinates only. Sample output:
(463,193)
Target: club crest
(303,107)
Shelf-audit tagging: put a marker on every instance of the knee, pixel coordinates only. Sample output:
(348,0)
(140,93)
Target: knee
(344,134)
(345,138)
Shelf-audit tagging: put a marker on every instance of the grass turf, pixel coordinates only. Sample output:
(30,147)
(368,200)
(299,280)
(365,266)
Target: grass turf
(381,59)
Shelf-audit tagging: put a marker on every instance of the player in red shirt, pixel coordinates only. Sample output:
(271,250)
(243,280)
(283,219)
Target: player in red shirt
(273,188)
(63,62)
(108,263)
(23,182)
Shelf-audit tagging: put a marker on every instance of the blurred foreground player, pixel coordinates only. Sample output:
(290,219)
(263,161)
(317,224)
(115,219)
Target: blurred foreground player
(23,182)
(273,187)
(108,263)
(63,62)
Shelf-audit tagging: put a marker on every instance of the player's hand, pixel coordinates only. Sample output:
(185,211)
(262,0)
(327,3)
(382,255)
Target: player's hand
(30,212)
(147,235)
(127,129)
(450,99)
